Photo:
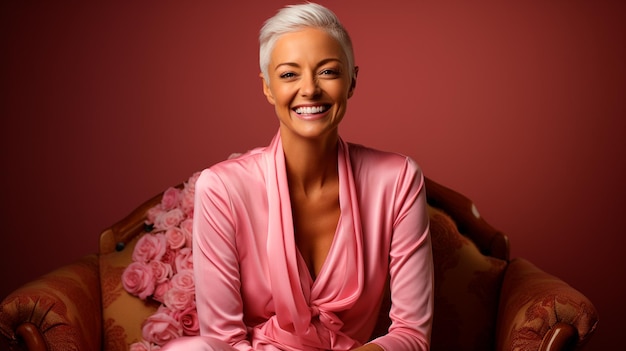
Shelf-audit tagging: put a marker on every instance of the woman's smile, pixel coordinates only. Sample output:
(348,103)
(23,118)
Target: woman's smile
(312,112)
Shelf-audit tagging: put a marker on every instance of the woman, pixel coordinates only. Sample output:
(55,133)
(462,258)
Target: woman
(294,242)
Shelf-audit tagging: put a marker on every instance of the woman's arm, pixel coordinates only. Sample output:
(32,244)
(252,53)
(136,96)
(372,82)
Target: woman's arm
(411,266)
(216,266)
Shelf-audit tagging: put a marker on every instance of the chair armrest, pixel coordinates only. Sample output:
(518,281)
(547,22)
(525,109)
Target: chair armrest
(539,311)
(61,310)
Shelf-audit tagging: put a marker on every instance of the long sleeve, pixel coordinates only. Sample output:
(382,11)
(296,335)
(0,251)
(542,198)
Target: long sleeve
(410,268)
(216,266)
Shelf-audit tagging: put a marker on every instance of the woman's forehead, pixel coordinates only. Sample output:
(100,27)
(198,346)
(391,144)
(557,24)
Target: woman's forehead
(308,44)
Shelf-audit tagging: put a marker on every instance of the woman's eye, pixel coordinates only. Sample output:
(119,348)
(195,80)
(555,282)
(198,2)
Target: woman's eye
(329,72)
(287,75)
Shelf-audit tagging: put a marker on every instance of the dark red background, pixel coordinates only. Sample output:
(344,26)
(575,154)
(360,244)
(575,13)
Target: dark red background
(518,106)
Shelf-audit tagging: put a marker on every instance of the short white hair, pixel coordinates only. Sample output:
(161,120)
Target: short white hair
(293,18)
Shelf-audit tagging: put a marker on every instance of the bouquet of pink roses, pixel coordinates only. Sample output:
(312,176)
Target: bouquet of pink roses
(162,269)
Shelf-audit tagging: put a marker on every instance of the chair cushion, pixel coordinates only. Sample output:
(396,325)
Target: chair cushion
(467,287)
(123,314)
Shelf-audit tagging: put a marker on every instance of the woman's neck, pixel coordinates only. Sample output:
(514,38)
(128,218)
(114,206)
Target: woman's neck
(310,164)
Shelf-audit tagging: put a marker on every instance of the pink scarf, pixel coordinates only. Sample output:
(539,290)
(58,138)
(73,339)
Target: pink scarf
(305,309)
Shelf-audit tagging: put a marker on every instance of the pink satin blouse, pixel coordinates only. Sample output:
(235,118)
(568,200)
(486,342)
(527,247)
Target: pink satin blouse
(253,288)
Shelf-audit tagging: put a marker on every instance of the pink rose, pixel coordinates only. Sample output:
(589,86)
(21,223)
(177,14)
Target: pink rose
(191,182)
(187,197)
(169,311)
(140,346)
(169,219)
(184,280)
(153,213)
(170,199)
(143,346)
(189,321)
(169,257)
(175,238)
(160,290)
(187,227)
(184,260)
(160,328)
(149,247)
(161,271)
(138,280)
(187,202)
(179,300)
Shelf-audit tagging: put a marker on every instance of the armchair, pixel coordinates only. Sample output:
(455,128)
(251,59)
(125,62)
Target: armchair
(483,299)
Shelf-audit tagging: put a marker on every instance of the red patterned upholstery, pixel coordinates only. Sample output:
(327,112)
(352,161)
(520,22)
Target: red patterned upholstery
(533,301)
(120,328)
(59,311)
(482,301)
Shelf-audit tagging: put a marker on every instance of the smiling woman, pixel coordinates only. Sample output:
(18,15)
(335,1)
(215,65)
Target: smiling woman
(294,242)
(518,105)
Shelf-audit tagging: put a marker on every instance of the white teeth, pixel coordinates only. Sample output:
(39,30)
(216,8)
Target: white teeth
(310,110)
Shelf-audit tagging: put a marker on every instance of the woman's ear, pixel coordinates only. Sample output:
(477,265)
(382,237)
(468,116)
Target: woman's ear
(266,90)
(353,84)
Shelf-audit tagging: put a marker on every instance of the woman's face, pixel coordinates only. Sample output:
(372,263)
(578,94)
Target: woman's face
(309,83)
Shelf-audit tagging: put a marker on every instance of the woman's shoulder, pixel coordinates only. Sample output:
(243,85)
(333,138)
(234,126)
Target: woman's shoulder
(364,158)
(239,169)
(377,171)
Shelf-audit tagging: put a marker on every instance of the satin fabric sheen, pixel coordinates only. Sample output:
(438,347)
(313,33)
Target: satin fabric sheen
(253,288)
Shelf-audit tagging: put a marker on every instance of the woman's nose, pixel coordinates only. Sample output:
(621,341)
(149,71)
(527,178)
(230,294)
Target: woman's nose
(310,86)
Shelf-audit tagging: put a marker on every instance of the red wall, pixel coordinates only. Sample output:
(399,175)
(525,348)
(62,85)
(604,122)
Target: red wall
(518,106)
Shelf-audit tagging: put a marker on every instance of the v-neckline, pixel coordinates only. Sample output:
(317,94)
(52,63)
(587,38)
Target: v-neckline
(302,264)
(296,294)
